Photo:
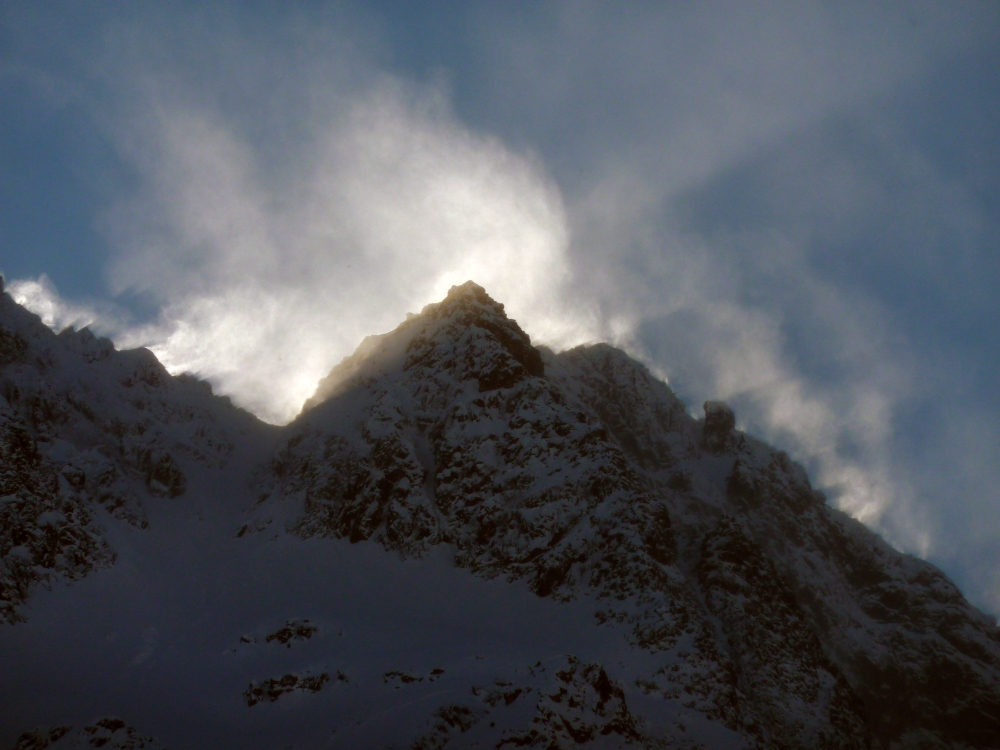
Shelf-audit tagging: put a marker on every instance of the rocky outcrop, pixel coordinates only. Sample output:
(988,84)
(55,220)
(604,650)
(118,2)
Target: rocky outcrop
(273,688)
(717,431)
(562,703)
(110,732)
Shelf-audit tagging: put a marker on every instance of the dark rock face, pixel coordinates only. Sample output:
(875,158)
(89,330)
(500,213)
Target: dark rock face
(164,476)
(110,732)
(720,422)
(719,418)
(273,688)
(13,347)
(791,695)
(641,413)
(293,630)
(925,663)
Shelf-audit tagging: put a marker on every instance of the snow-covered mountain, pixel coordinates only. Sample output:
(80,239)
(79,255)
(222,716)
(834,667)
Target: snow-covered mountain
(463,541)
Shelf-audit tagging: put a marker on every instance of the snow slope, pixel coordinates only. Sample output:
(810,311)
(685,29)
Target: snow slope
(462,541)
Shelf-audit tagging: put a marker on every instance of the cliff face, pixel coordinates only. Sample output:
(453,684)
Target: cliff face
(532,549)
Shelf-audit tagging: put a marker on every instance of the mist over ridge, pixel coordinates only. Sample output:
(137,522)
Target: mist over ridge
(743,203)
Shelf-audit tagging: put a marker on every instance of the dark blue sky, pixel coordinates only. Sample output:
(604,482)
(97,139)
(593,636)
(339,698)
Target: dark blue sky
(795,207)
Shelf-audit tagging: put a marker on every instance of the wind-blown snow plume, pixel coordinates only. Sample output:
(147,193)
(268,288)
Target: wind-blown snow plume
(269,285)
(713,191)
(41,297)
(274,239)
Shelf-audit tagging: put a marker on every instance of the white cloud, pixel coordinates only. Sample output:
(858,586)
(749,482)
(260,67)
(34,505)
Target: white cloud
(40,296)
(270,270)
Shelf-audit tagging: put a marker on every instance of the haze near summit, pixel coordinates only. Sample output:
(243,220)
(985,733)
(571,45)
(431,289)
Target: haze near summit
(791,207)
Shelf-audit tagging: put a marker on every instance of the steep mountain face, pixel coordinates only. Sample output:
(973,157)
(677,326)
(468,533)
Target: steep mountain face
(85,429)
(923,661)
(540,550)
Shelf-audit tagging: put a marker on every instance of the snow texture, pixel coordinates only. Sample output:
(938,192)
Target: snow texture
(463,541)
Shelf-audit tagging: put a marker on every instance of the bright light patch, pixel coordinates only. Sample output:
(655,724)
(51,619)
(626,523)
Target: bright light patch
(268,283)
(40,296)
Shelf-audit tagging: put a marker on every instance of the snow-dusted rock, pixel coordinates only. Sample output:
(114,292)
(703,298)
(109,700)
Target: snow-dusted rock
(88,432)
(451,506)
(109,732)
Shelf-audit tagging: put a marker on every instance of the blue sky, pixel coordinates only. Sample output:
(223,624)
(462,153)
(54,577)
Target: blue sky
(795,207)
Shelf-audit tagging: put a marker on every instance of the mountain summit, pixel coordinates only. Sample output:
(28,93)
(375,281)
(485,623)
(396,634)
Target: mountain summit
(495,347)
(462,541)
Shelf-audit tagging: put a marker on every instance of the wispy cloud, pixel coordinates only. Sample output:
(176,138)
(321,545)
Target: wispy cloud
(730,193)
(271,260)
(752,213)
(41,297)
(268,285)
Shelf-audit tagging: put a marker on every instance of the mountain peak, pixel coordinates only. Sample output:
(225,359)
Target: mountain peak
(470,289)
(467,334)
(701,592)
(498,338)
(465,298)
